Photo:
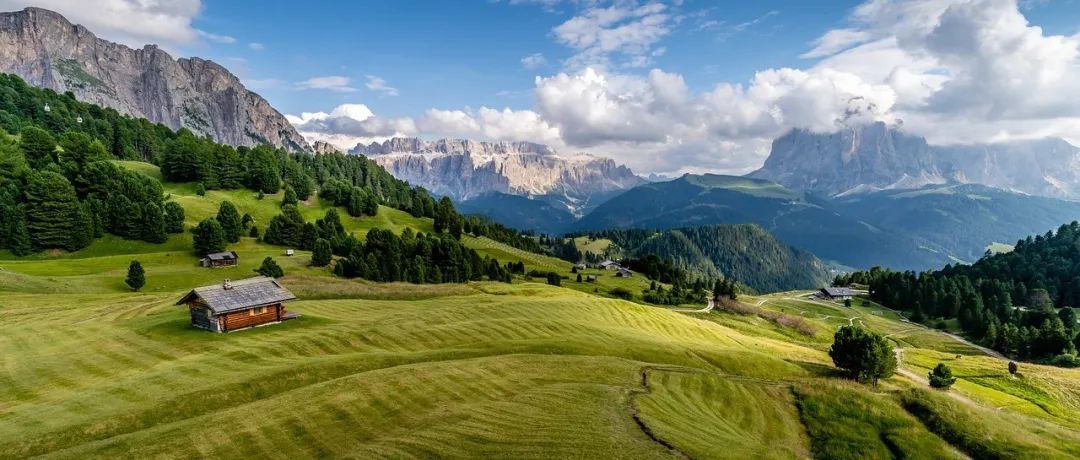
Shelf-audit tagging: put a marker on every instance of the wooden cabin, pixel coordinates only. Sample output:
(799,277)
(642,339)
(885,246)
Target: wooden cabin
(836,293)
(234,305)
(220,259)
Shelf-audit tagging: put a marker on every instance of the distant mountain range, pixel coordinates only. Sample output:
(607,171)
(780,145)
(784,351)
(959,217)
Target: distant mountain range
(492,172)
(877,156)
(47,51)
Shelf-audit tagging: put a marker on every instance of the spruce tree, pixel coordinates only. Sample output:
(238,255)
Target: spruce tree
(51,209)
(290,196)
(82,233)
(153,224)
(270,268)
(229,218)
(136,277)
(174,217)
(321,254)
(208,237)
(38,146)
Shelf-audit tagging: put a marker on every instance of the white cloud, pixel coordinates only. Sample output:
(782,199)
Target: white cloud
(625,30)
(533,61)
(256,46)
(349,124)
(132,22)
(223,39)
(836,40)
(332,83)
(379,85)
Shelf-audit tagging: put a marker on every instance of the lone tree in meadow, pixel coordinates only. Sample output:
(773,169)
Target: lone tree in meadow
(941,377)
(208,237)
(136,276)
(866,356)
(270,268)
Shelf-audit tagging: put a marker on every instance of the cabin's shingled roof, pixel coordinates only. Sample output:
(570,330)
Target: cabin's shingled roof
(243,294)
(839,291)
(228,255)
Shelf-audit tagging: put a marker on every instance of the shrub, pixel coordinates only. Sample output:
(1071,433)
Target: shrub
(621,293)
(270,268)
(941,377)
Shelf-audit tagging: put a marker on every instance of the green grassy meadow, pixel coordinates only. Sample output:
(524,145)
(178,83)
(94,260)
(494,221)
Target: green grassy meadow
(521,370)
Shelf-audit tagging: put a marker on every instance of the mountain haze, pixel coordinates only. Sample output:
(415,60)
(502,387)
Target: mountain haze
(48,51)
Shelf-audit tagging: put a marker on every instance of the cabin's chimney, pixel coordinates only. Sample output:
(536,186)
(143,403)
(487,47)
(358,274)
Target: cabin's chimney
(226,285)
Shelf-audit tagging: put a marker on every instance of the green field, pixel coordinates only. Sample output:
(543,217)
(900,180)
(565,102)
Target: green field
(522,370)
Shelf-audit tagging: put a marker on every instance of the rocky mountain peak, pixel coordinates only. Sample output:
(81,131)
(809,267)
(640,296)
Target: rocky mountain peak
(48,51)
(465,169)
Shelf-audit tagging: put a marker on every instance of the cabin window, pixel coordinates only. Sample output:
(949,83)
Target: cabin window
(251,312)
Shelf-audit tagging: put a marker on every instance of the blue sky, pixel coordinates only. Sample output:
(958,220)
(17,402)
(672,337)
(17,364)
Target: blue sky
(666,86)
(457,54)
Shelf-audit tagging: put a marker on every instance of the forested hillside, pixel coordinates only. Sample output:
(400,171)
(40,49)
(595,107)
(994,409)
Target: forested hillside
(746,253)
(59,189)
(1020,302)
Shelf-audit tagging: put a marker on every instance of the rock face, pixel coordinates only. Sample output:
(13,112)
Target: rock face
(880,157)
(322,148)
(465,169)
(47,51)
(862,158)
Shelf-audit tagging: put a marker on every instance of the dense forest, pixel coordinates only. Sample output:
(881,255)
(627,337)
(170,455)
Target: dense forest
(55,176)
(1019,303)
(745,253)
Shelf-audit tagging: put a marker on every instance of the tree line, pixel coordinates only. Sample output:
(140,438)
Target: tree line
(1019,303)
(63,193)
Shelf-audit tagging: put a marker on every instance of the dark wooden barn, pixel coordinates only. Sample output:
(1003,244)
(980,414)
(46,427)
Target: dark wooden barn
(230,306)
(220,259)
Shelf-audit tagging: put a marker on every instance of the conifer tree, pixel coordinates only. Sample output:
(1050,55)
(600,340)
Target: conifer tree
(136,277)
(270,268)
(51,209)
(229,218)
(174,217)
(208,237)
(38,146)
(321,254)
(153,224)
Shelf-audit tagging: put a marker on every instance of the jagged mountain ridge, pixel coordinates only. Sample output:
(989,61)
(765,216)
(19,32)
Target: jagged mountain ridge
(46,50)
(466,169)
(877,156)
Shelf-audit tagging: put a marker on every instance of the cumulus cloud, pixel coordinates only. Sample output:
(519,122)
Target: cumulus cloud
(349,124)
(951,70)
(380,86)
(132,22)
(336,83)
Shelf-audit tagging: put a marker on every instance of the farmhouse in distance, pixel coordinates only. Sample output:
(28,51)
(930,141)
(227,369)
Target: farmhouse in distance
(231,306)
(220,259)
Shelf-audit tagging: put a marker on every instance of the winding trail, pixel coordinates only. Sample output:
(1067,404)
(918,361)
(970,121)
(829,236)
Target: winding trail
(708,308)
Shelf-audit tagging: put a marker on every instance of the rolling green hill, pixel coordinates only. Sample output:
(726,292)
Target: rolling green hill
(746,253)
(960,220)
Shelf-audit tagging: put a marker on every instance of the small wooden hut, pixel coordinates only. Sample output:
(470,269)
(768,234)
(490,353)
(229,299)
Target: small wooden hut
(234,305)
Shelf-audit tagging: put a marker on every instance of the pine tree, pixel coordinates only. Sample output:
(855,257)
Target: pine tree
(321,254)
(229,218)
(82,233)
(38,146)
(270,268)
(153,224)
(290,196)
(136,277)
(208,237)
(51,209)
(174,217)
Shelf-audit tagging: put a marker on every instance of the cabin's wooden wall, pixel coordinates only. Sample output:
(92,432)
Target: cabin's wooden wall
(241,319)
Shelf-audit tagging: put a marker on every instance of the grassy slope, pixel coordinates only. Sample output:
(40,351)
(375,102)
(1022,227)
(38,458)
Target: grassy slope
(483,369)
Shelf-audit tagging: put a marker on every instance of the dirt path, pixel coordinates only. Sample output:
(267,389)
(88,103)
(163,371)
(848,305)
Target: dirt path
(708,308)
(925,380)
